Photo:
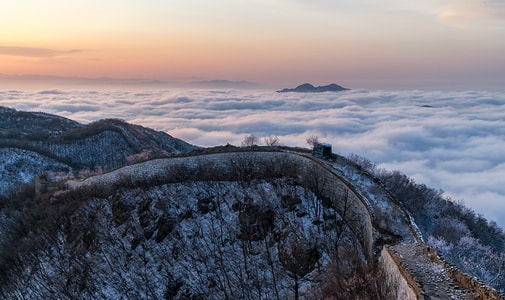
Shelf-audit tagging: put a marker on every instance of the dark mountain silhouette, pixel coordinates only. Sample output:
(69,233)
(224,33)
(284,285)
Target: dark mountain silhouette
(309,88)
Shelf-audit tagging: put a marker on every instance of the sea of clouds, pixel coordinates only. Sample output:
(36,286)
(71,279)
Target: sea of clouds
(453,141)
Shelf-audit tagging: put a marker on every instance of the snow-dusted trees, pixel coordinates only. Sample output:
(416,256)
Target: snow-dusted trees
(271,140)
(298,257)
(462,237)
(194,230)
(312,140)
(250,140)
(470,255)
(196,239)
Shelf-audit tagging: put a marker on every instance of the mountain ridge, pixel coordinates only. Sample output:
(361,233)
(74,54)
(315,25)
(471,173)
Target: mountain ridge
(32,141)
(309,88)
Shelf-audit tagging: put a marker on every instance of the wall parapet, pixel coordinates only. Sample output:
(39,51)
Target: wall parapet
(469,283)
(399,282)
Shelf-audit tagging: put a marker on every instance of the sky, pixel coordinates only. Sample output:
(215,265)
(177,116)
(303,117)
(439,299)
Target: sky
(452,141)
(387,44)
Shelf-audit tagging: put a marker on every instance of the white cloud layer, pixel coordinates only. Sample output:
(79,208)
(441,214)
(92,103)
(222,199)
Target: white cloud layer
(454,141)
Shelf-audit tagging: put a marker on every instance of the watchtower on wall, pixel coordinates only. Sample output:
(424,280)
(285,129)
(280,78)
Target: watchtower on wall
(322,150)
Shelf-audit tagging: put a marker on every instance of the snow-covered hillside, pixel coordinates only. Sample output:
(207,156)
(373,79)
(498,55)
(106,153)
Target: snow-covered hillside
(34,143)
(235,225)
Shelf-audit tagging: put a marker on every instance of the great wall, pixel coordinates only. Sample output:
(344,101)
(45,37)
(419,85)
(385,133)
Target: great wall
(412,269)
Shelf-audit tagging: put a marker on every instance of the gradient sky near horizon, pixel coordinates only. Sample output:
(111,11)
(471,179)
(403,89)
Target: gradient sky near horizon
(433,44)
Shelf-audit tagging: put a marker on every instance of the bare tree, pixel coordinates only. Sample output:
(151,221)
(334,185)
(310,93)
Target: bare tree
(272,140)
(312,140)
(298,257)
(250,140)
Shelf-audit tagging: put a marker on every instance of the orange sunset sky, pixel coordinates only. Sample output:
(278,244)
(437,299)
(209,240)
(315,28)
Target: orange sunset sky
(360,43)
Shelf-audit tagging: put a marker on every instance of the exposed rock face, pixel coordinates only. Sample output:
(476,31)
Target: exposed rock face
(309,88)
(32,143)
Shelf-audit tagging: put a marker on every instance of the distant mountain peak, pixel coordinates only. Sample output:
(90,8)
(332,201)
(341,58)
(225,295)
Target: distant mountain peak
(309,88)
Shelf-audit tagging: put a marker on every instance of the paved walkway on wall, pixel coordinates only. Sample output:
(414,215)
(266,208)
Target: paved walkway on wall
(431,276)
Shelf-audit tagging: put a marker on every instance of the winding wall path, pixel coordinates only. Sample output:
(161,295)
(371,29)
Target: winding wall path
(413,271)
